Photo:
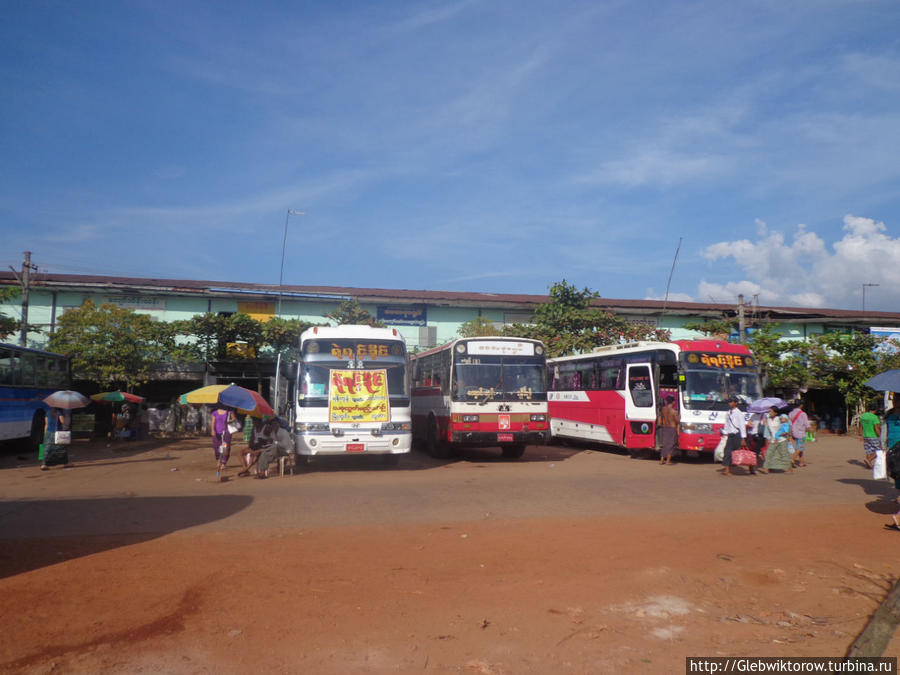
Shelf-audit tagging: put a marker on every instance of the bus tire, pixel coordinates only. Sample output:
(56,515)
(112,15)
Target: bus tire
(36,437)
(433,446)
(513,451)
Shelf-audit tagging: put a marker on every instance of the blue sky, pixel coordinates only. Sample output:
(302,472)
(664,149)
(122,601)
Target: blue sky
(494,146)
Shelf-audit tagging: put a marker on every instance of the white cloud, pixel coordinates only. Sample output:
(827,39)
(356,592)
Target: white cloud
(804,272)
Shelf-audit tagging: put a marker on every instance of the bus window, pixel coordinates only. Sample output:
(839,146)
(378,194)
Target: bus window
(27,362)
(639,385)
(7,367)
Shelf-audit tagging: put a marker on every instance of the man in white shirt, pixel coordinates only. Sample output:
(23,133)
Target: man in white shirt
(735,430)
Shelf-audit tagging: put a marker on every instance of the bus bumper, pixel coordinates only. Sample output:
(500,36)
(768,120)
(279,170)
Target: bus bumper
(494,438)
(698,442)
(327,444)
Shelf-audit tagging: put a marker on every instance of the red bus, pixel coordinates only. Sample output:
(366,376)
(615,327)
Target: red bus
(612,395)
(484,391)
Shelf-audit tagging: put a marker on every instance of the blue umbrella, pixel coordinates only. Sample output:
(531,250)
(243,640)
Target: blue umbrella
(886,381)
(762,405)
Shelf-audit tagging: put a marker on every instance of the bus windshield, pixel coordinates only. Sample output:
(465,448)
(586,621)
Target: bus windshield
(499,378)
(320,357)
(710,389)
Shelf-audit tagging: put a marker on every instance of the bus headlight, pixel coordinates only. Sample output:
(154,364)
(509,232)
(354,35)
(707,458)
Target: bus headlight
(470,418)
(312,426)
(696,428)
(395,426)
(538,418)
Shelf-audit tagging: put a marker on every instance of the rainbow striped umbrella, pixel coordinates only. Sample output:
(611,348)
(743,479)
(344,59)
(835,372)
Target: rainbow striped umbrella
(243,400)
(116,397)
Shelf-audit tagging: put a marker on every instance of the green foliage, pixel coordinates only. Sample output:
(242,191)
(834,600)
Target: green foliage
(782,363)
(480,326)
(283,335)
(713,326)
(568,324)
(350,313)
(8,324)
(112,346)
(207,336)
(844,362)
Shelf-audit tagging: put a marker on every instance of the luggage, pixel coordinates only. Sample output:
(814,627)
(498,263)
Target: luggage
(742,457)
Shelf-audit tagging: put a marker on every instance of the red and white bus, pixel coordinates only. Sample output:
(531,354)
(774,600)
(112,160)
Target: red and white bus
(483,391)
(613,394)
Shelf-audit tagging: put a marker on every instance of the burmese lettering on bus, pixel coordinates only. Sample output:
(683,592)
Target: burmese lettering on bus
(613,395)
(352,392)
(480,392)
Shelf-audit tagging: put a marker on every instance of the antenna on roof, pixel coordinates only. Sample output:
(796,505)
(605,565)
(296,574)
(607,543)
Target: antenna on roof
(671,271)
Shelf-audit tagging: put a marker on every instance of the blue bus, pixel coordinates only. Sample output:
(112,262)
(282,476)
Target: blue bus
(26,377)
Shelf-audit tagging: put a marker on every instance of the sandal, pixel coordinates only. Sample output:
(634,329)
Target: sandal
(245,472)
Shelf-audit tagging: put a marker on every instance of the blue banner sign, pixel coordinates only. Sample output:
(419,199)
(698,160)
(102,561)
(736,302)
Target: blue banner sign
(402,315)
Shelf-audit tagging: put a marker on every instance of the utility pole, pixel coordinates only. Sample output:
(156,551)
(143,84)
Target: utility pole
(741,327)
(25,280)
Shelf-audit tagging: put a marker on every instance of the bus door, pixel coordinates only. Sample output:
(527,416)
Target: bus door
(640,406)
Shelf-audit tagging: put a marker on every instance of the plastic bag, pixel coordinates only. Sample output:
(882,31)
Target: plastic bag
(879,469)
(719,452)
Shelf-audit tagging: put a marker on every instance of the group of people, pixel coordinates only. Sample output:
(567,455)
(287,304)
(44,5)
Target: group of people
(268,440)
(777,439)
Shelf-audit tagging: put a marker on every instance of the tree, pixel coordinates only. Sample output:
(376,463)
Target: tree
(713,326)
(568,324)
(283,335)
(845,361)
(8,325)
(110,345)
(782,363)
(349,312)
(478,327)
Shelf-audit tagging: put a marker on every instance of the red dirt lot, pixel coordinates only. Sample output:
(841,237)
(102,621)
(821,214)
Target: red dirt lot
(572,560)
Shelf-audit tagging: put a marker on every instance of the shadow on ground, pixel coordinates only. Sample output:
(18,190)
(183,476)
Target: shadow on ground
(44,532)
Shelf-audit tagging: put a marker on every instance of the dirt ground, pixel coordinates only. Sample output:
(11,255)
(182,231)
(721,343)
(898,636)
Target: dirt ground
(571,560)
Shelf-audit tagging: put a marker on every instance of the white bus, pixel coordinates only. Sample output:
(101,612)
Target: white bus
(483,391)
(352,387)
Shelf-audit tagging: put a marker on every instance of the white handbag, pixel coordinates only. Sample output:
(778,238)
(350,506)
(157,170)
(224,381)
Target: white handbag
(719,452)
(62,437)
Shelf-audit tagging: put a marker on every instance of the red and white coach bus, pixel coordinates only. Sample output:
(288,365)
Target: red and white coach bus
(612,395)
(483,391)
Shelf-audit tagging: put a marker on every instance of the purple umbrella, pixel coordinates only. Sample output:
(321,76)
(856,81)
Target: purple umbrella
(762,405)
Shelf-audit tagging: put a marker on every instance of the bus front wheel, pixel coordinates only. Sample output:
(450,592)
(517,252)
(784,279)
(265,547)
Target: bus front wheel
(435,447)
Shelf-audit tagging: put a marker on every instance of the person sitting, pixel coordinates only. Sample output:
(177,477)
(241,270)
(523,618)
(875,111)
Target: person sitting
(258,440)
(281,445)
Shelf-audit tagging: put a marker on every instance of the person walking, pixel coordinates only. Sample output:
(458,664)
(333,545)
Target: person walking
(668,420)
(778,456)
(221,435)
(799,425)
(55,452)
(736,430)
(869,426)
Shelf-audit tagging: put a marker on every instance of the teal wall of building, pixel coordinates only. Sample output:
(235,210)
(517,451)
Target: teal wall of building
(45,307)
